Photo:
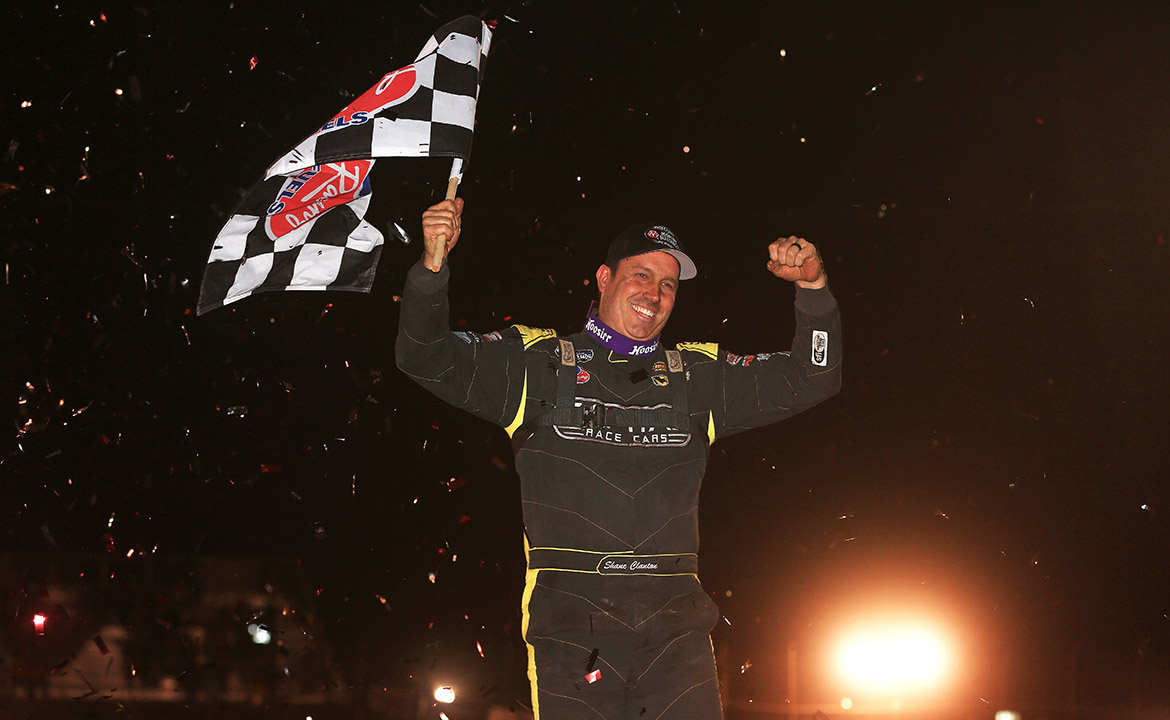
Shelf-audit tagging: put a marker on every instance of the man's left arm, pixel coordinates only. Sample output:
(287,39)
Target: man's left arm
(757,390)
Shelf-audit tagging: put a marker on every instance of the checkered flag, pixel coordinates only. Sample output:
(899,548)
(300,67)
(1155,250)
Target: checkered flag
(303,226)
(426,109)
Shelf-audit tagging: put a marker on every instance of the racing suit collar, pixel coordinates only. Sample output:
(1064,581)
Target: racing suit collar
(614,340)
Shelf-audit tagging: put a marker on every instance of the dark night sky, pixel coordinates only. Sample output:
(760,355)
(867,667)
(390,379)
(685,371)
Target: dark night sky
(989,189)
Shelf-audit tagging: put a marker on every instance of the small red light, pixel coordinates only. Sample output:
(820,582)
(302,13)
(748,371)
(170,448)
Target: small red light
(39,624)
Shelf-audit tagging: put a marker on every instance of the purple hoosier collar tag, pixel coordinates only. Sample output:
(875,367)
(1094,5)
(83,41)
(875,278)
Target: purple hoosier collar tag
(617,342)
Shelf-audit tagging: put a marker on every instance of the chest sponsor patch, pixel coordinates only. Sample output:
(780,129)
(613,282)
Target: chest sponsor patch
(582,376)
(660,380)
(625,436)
(583,356)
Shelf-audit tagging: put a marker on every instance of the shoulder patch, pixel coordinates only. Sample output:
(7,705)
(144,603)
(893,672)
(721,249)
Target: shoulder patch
(709,349)
(530,336)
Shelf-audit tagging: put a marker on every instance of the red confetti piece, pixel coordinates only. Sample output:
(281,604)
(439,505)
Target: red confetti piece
(479,647)
(252,63)
(593,676)
(101,645)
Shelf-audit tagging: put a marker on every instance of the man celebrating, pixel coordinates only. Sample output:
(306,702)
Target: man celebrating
(611,432)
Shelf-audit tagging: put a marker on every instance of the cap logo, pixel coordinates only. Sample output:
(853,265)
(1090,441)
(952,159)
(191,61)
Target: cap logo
(662,235)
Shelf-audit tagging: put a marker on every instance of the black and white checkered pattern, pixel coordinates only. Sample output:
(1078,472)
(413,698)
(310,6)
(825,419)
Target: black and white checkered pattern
(330,246)
(435,119)
(336,250)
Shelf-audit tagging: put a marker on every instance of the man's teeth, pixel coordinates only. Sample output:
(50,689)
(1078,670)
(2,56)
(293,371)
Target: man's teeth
(644,312)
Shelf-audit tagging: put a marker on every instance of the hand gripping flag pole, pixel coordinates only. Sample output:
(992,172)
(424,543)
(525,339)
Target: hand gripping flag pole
(435,261)
(303,226)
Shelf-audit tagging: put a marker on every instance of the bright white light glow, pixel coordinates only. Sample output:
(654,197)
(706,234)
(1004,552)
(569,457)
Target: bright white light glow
(1006,715)
(846,703)
(260,634)
(445,694)
(893,658)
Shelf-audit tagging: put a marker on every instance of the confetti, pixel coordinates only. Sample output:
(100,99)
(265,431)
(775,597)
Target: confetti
(145,431)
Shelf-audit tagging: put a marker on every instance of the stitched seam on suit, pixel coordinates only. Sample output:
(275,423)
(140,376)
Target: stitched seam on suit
(616,393)
(600,609)
(474,374)
(659,655)
(416,341)
(507,389)
(687,462)
(572,512)
(437,378)
(663,527)
(566,697)
(651,615)
(582,647)
(598,475)
(684,692)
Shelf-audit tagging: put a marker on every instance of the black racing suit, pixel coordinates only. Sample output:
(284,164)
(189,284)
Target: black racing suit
(615,619)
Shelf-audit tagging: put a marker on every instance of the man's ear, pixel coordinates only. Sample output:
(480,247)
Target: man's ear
(602,277)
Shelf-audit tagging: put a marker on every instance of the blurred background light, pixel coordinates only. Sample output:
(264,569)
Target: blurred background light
(893,657)
(259,633)
(445,694)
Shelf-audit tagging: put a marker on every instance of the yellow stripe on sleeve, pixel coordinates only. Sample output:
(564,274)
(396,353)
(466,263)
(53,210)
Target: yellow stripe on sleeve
(531,335)
(709,349)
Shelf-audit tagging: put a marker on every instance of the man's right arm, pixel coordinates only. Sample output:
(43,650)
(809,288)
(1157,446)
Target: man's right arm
(482,374)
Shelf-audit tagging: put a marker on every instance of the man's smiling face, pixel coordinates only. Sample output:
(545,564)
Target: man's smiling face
(638,295)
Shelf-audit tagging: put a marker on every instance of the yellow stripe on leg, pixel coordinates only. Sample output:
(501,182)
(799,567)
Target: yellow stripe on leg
(529,586)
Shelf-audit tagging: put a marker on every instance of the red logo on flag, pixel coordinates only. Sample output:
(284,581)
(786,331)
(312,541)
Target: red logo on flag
(582,376)
(311,192)
(392,89)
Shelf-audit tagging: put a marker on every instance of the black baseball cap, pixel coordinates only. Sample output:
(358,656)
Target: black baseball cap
(643,238)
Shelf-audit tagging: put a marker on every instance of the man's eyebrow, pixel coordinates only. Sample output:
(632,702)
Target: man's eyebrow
(649,270)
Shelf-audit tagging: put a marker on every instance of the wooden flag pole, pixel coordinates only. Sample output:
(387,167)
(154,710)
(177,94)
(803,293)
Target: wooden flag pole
(435,262)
